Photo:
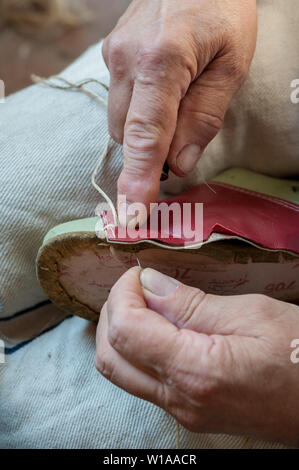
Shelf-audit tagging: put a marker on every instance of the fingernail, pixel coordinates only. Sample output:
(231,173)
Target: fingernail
(188,157)
(158,283)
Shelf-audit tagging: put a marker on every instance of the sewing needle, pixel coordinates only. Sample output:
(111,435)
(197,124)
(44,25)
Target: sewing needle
(138,262)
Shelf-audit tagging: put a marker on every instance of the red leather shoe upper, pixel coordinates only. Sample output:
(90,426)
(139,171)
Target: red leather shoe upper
(267,221)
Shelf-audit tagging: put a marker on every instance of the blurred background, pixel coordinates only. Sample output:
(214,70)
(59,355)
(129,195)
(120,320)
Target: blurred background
(44,36)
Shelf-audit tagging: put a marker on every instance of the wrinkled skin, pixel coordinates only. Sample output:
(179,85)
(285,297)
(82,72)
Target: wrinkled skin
(174,67)
(217,364)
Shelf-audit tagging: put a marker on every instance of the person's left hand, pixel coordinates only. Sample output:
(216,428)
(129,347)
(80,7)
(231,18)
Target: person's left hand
(217,364)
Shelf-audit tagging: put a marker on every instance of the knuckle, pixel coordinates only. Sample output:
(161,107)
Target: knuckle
(105,50)
(193,302)
(155,55)
(120,327)
(137,179)
(102,364)
(99,363)
(236,69)
(202,390)
(117,333)
(242,72)
(190,421)
(143,136)
(209,124)
(116,50)
(116,134)
(167,63)
(164,52)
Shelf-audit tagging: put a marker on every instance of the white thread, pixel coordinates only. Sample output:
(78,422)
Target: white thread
(79,86)
(72,86)
(100,190)
(207,184)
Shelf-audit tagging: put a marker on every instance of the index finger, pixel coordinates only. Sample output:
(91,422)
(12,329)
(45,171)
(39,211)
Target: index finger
(149,130)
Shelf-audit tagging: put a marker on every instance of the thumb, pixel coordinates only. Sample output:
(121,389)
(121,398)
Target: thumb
(201,115)
(188,307)
(148,132)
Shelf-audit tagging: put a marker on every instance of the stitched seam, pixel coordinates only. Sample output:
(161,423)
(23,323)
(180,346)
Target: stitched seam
(280,202)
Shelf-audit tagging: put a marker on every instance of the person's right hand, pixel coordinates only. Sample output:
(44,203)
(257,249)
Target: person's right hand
(218,364)
(174,68)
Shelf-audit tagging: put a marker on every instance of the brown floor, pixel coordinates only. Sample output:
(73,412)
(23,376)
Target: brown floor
(20,56)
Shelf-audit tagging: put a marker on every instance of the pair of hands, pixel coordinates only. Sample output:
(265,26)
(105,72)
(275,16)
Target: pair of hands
(217,364)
